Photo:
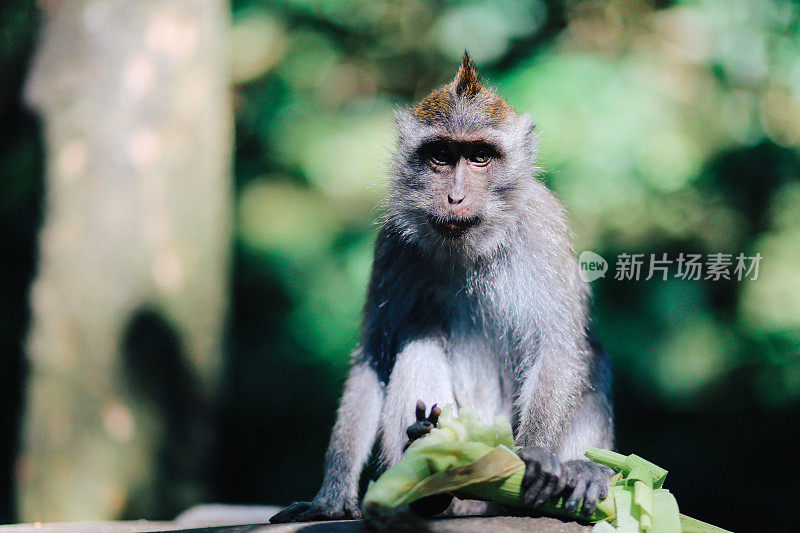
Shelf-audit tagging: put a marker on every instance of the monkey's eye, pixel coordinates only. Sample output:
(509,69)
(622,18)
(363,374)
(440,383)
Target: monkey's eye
(439,153)
(480,155)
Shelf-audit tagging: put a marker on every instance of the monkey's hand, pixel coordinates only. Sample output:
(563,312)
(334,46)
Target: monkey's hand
(424,424)
(545,476)
(431,505)
(318,509)
(588,481)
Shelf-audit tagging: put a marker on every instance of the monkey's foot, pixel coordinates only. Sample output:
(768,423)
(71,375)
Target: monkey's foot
(312,511)
(424,424)
(588,481)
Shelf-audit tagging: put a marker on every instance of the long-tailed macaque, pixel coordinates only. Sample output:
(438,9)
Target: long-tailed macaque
(475,300)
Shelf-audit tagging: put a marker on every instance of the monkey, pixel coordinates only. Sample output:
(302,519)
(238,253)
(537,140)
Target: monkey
(474,299)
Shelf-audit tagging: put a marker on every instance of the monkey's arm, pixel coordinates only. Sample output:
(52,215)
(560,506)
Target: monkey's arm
(563,401)
(550,390)
(350,445)
(567,411)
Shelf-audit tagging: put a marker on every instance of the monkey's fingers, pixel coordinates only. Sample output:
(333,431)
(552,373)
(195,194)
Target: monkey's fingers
(604,490)
(423,425)
(531,495)
(544,487)
(419,429)
(420,411)
(537,461)
(549,489)
(578,493)
(434,417)
(589,482)
(290,513)
(561,483)
(593,493)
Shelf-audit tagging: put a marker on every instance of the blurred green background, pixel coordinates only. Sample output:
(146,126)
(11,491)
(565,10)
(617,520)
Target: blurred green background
(666,127)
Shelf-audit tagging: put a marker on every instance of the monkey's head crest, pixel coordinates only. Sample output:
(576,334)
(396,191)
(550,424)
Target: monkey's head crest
(464,96)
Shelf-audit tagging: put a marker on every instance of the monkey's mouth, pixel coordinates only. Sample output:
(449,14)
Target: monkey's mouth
(452,227)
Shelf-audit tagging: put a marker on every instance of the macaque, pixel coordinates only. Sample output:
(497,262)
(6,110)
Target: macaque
(474,300)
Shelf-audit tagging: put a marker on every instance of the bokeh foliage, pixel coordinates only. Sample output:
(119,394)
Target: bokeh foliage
(662,128)
(666,127)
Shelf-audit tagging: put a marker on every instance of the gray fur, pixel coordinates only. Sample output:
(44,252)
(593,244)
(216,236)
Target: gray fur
(495,320)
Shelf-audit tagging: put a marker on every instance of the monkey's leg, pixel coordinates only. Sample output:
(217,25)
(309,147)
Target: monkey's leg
(593,421)
(421,372)
(550,391)
(351,441)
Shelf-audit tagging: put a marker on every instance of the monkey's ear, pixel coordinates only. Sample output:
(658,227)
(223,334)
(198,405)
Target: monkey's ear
(527,123)
(528,132)
(406,124)
(467,82)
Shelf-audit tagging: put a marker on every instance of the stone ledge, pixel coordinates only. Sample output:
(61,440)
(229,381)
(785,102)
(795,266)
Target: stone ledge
(499,524)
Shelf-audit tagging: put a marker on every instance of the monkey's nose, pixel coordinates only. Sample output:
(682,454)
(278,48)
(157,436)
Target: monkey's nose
(455,198)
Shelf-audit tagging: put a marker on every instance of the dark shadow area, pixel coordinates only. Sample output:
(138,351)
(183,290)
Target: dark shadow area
(278,405)
(21,177)
(164,385)
(731,468)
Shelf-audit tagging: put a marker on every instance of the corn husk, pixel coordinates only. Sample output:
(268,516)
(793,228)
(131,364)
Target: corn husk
(469,459)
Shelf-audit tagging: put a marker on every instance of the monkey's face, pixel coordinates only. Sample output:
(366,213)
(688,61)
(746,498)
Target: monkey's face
(461,190)
(458,172)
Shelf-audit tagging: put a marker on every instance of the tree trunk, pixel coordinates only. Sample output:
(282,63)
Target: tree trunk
(129,301)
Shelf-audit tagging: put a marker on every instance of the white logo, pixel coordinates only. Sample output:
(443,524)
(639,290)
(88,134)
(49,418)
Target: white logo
(592,266)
